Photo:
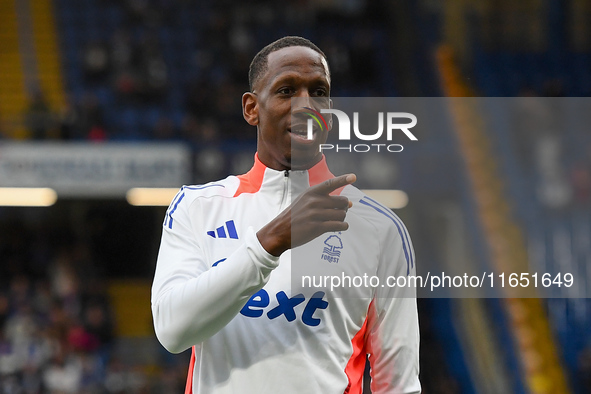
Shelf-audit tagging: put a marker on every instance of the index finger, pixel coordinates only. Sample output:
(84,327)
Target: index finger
(332,184)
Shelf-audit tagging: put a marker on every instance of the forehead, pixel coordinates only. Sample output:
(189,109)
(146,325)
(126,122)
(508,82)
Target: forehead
(295,59)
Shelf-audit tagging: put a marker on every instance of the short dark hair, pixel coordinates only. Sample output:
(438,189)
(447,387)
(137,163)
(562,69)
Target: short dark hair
(259,63)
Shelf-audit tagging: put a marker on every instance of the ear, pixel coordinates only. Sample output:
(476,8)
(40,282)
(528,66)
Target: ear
(250,108)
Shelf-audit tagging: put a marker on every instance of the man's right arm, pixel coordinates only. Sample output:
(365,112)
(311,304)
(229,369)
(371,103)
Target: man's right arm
(190,302)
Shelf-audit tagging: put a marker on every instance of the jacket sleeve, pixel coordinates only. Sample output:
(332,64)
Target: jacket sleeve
(191,300)
(393,335)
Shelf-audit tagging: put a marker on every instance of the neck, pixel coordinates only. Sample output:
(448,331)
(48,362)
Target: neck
(288,163)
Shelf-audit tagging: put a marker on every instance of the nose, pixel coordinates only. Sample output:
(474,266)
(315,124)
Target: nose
(303,99)
(306,99)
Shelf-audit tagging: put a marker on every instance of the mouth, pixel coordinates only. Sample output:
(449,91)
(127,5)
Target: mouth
(299,132)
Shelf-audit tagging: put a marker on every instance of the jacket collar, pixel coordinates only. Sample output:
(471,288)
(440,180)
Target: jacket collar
(260,175)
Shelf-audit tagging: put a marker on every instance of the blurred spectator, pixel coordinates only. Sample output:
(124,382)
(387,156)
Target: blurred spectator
(54,339)
(97,133)
(127,83)
(125,57)
(38,117)
(83,120)
(432,354)
(98,323)
(190,129)
(340,58)
(201,97)
(363,60)
(209,132)
(241,39)
(63,374)
(153,71)
(123,51)
(554,189)
(156,77)
(554,88)
(164,129)
(81,340)
(122,380)
(242,46)
(137,11)
(581,182)
(200,132)
(96,62)
(69,121)
(65,283)
(228,112)
(209,162)
(140,71)
(526,127)
(216,30)
(539,145)
(584,371)
(4,309)
(173,379)
(92,118)
(148,13)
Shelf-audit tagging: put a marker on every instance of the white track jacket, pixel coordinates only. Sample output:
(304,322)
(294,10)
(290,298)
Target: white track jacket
(253,326)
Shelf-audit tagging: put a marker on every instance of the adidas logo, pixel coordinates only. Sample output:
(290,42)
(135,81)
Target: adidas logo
(226,231)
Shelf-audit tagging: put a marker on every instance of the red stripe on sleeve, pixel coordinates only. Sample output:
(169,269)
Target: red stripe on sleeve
(189,386)
(356,365)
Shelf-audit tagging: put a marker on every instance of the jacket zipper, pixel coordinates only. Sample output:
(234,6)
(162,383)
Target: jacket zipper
(284,199)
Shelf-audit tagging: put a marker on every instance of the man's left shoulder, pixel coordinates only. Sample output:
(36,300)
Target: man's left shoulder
(380,222)
(371,209)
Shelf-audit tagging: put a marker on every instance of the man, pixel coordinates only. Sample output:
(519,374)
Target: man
(222,283)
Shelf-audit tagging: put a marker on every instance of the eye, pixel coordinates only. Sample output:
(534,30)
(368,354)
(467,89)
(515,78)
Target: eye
(321,92)
(286,90)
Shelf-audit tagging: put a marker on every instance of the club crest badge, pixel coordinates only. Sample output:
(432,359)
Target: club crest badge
(332,249)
